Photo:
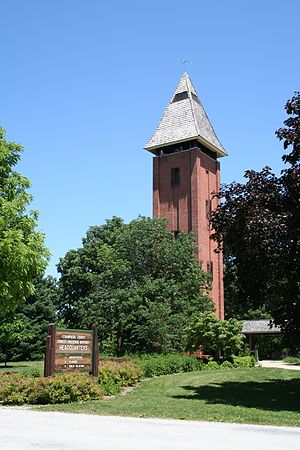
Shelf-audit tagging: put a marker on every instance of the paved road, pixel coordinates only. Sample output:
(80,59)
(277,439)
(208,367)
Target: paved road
(22,429)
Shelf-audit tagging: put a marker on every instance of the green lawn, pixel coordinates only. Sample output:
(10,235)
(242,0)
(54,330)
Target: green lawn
(22,366)
(262,396)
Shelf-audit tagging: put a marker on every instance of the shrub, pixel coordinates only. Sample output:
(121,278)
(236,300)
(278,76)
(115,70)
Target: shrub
(243,361)
(226,365)
(215,335)
(292,360)
(114,375)
(155,365)
(13,389)
(64,388)
(61,388)
(211,365)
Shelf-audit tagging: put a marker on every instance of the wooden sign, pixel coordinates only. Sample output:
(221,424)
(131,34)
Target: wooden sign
(75,350)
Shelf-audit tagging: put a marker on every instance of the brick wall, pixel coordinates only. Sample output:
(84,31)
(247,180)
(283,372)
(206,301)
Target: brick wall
(187,206)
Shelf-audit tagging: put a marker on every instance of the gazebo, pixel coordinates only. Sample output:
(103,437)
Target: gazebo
(257,330)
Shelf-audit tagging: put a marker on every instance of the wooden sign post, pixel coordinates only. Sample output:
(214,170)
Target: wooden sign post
(75,350)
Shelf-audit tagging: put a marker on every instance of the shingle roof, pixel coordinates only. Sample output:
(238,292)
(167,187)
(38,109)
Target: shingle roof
(185,119)
(259,327)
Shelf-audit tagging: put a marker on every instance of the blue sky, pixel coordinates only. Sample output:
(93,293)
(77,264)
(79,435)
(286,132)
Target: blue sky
(84,84)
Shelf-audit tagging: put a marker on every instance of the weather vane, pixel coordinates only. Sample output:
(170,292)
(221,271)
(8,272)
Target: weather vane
(184,62)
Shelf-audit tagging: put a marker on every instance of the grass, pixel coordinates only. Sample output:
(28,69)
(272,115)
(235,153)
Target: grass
(260,396)
(22,366)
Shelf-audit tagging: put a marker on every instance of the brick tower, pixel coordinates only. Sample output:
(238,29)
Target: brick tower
(186,173)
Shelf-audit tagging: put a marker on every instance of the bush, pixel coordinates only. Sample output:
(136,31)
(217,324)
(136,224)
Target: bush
(243,361)
(211,365)
(292,359)
(215,335)
(226,365)
(61,388)
(13,389)
(155,365)
(114,375)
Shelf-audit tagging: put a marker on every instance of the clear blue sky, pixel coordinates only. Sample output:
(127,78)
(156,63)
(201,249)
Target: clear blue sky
(84,83)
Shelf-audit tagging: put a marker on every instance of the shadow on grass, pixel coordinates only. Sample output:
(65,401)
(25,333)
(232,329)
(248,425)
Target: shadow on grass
(276,395)
(13,366)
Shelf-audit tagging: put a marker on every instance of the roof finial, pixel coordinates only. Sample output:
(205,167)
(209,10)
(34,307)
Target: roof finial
(184,62)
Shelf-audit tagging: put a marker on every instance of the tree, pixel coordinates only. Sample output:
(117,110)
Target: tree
(11,335)
(22,252)
(258,224)
(215,335)
(139,284)
(233,306)
(23,335)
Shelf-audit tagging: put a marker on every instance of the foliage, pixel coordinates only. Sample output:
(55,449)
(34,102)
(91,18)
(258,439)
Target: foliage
(243,361)
(61,388)
(113,376)
(23,336)
(226,365)
(234,305)
(292,360)
(136,282)
(22,252)
(158,364)
(211,365)
(215,335)
(11,335)
(291,133)
(259,225)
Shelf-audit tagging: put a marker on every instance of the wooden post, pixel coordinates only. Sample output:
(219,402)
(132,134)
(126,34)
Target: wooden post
(52,329)
(95,351)
(50,351)
(47,357)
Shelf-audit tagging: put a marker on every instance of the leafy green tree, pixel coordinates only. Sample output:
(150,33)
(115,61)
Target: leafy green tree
(22,252)
(216,336)
(136,282)
(258,223)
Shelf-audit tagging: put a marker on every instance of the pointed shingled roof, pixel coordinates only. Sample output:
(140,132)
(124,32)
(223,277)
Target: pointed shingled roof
(185,119)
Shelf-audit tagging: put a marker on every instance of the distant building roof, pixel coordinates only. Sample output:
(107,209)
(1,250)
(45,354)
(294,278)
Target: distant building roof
(185,119)
(259,327)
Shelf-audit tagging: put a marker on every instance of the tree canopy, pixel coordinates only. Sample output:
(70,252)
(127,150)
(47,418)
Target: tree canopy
(258,225)
(23,255)
(136,282)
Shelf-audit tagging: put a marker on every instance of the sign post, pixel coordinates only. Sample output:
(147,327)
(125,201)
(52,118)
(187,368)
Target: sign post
(71,350)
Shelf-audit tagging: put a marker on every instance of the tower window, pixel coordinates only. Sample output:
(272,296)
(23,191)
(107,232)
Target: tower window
(207,209)
(209,269)
(194,97)
(175,234)
(180,96)
(175,176)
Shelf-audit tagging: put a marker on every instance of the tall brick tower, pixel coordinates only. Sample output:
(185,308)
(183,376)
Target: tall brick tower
(186,173)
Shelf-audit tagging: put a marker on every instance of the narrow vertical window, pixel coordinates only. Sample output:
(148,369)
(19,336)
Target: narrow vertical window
(210,269)
(207,209)
(175,234)
(175,176)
